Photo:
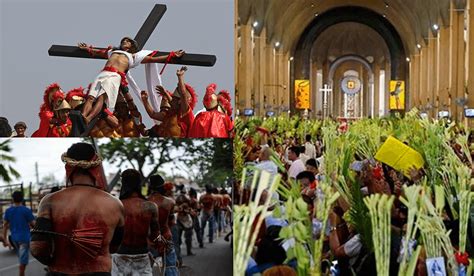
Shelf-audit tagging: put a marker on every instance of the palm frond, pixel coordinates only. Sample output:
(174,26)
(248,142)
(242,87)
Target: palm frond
(360,217)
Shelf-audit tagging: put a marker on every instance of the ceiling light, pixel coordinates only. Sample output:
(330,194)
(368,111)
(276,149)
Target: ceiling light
(418,46)
(435,27)
(384,15)
(316,14)
(255,24)
(408,59)
(277,44)
(292,58)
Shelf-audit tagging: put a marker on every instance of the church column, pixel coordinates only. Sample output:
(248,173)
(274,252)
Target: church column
(376,89)
(336,94)
(313,82)
(409,86)
(236,55)
(435,74)
(285,99)
(325,71)
(269,76)
(414,81)
(388,73)
(281,64)
(319,86)
(368,97)
(470,45)
(443,70)
(259,78)
(429,73)
(423,77)
(245,74)
(277,83)
(457,55)
(420,82)
(361,105)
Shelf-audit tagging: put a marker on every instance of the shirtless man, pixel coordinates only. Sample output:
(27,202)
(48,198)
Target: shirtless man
(226,207)
(129,126)
(196,207)
(184,220)
(157,190)
(106,86)
(176,112)
(141,221)
(217,210)
(207,202)
(82,209)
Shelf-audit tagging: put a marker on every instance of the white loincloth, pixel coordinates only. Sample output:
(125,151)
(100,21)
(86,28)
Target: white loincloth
(106,83)
(152,78)
(131,265)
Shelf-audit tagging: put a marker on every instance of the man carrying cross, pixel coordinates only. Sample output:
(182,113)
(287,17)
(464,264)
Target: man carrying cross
(105,88)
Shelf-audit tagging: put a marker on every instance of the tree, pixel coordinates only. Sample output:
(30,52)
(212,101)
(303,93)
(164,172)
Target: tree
(49,180)
(205,160)
(214,165)
(7,172)
(139,153)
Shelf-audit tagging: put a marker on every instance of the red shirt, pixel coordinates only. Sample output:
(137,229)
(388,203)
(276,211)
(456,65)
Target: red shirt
(211,124)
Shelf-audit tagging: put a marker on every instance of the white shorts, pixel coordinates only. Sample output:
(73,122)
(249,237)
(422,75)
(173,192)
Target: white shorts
(133,265)
(106,83)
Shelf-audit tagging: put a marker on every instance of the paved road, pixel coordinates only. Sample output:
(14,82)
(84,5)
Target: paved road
(213,260)
(9,264)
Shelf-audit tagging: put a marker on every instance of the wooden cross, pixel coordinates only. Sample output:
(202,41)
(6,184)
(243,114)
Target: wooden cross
(142,36)
(326,90)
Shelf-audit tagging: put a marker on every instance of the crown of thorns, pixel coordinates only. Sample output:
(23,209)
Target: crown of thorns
(85,164)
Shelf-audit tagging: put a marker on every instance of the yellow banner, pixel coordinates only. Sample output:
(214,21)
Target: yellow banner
(397,95)
(302,92)
(399,156)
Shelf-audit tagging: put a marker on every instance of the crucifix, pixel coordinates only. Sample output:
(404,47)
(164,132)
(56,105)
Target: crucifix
(91,109)
(326,90)
(142,36)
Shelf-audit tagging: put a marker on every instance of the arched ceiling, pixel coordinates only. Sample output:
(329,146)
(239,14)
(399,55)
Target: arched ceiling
(286,20)
(349,39)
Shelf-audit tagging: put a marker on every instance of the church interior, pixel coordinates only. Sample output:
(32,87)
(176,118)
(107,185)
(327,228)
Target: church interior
(355,58)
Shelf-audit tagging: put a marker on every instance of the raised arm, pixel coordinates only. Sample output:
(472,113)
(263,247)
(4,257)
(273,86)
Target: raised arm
(185,96)
(41,241)
(92,51)
(152,113)
(163,59)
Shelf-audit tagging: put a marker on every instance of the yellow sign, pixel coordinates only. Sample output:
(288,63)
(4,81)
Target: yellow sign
(399,156)
(302,93)
(397,95)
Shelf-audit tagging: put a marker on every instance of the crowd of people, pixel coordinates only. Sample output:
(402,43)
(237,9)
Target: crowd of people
(83,229)
(329,157)
(87,112)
